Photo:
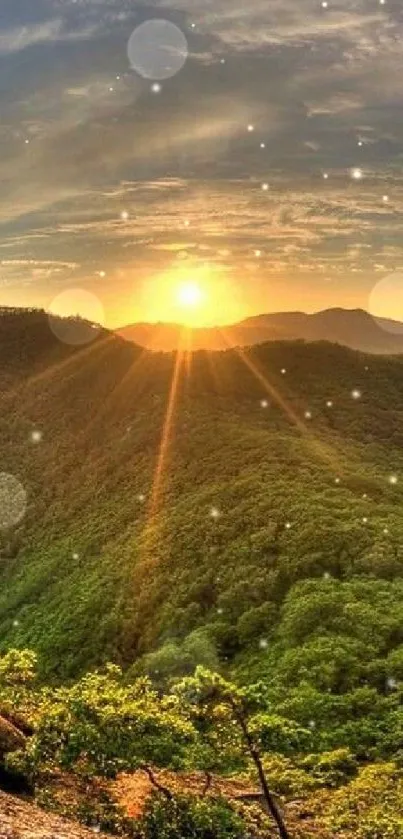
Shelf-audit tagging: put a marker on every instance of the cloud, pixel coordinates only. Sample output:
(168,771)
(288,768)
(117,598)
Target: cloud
(319,87)
(51,31)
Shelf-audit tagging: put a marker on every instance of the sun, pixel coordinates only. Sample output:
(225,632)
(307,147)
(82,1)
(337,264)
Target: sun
(194,295)
(189,295)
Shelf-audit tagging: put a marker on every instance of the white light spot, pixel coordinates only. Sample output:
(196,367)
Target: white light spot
(392,684)
(36,436)
(220,611)
(356,174)
(157,49)
(365,520)
(263,644)
(308,415)
(283,372)
(215,513)
(156,88)
(324,4)
(288,525)
(385,199)
(16,623)
(385,531)
(102,274)
(265,187)
(124,215)
(76,556)
(251,128)
(337,480)
(356,394)
(329,403)
(393,479)
(325,176)
(264,403)
(141,498)
(258,253)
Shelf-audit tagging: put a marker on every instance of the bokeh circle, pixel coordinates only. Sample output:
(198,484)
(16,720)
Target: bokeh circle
(76,316)
(13,501)
(157,49)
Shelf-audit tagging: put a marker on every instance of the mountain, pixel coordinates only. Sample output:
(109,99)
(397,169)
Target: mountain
(239,510)
(180,509)
(352,328)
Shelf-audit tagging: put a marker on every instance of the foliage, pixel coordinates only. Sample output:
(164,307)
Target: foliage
(85,578)
(295,586)
(17,667)
(370,807)
(100,726)
(330,768)
(191,819)
(233,720)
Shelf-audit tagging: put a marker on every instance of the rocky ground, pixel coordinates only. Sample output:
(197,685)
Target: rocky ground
(21,819)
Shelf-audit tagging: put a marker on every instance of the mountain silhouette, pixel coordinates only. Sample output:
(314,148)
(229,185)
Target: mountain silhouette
(354,328)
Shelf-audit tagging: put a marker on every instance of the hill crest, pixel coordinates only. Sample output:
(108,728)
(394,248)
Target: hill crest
(354,328)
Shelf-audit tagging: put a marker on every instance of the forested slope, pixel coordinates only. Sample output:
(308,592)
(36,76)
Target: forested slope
(277,519)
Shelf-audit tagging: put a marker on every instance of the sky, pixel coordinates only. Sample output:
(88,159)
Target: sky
(253,149)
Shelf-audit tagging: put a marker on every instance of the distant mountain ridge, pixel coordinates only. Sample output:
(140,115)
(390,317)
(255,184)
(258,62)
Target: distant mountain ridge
(354,328)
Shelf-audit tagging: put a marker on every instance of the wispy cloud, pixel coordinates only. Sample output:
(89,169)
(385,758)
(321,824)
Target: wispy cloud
(243,159)
(51,31)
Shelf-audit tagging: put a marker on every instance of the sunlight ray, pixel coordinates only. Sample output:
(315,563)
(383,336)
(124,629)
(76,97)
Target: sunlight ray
(321,450)
(84,354)
(180,360)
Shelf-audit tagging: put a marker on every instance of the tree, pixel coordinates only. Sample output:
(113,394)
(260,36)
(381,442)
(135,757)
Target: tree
(234,718)
(101,726)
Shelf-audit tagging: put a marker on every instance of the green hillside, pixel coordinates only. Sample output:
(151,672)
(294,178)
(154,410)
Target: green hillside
(269,531)
(239,511)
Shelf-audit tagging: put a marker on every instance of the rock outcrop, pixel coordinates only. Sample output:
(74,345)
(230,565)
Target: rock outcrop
(23,820)
(11,738)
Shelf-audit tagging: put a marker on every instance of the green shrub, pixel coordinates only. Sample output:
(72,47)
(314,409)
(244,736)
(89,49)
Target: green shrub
(370,807)
(331,768)
(185,817)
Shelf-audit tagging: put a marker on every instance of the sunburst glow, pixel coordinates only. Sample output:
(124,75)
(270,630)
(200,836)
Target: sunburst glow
(190,295)
(193,295)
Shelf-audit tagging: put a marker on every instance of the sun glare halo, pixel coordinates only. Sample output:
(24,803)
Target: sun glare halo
(189,295)
(192,295)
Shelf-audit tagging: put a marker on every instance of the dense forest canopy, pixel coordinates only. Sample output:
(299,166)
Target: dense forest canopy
(239,512)
(279,494)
